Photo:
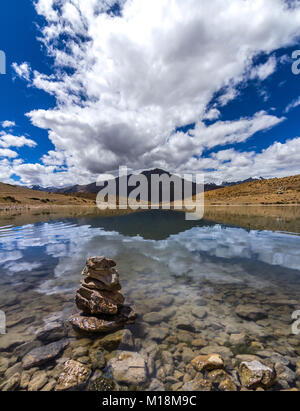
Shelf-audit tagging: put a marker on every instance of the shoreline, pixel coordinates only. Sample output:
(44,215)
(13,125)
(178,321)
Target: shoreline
(285,218)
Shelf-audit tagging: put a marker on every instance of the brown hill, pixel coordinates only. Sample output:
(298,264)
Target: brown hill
(17,196)
(265,192)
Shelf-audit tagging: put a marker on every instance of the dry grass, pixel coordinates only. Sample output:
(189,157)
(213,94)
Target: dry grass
(15,197)
(280,191)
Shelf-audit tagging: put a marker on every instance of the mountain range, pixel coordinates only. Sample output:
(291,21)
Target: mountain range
(90,190)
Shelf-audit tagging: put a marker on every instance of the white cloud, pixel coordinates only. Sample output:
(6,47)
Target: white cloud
(5,152)
(8,124)
(53,159)
(265,70)
(212,114)
(22,70)
(155,68)
(295,103)
(231,132)
(8,140)
(278,160)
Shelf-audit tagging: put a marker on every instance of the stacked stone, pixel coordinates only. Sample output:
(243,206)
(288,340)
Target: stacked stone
(99,298)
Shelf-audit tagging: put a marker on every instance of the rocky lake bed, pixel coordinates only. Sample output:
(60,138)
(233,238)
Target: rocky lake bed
(214,307)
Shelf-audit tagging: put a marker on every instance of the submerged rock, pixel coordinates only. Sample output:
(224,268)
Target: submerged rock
(113,341)
(97,359)
(250,312)
(52,331)
(256,375)
(198,384)
(208,362)
(128,368)
(12,384)
(92,324)
(44,354)
(74,376)
(227,385)
(102,384)
(12,340)
(38,381)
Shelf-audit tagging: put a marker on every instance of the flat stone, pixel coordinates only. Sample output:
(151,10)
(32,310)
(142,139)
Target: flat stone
(208,362)
(44,354)
(250,312)
(239,340)
(199,343)
(51,332)
(12,384)
(11,340)
(198,384)
(97,359)
(38,381)
(121,338)
(187,354)
(284,302)
(158,317)
(110,278)
(25,379)
(4,362)
(217,376)
(100,263)
(227,385)
(158,303)
(153,318)
(49,386)
(24,349)
(199,312)
(158,333)
(128,368)
(156,385)
(96,302)
(184,323)
(247,358)
(223,351)
(91,324)
(15,369)
(74,376)
(110,284)
(285,373)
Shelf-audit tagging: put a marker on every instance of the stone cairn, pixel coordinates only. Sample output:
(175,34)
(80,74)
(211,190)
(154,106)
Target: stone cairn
(99,299)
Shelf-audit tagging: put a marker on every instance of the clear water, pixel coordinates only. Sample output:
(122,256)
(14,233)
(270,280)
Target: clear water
(200,265)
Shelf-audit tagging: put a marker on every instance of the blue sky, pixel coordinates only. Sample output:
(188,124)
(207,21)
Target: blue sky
(94,85)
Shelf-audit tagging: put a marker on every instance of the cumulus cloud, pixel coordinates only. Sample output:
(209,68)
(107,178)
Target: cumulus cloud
(22,70)
(284,158)
(8,124)
(263,71)
(5,152)
(9,140)
(134,78)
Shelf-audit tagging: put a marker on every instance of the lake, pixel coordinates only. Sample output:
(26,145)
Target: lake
(198,287)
